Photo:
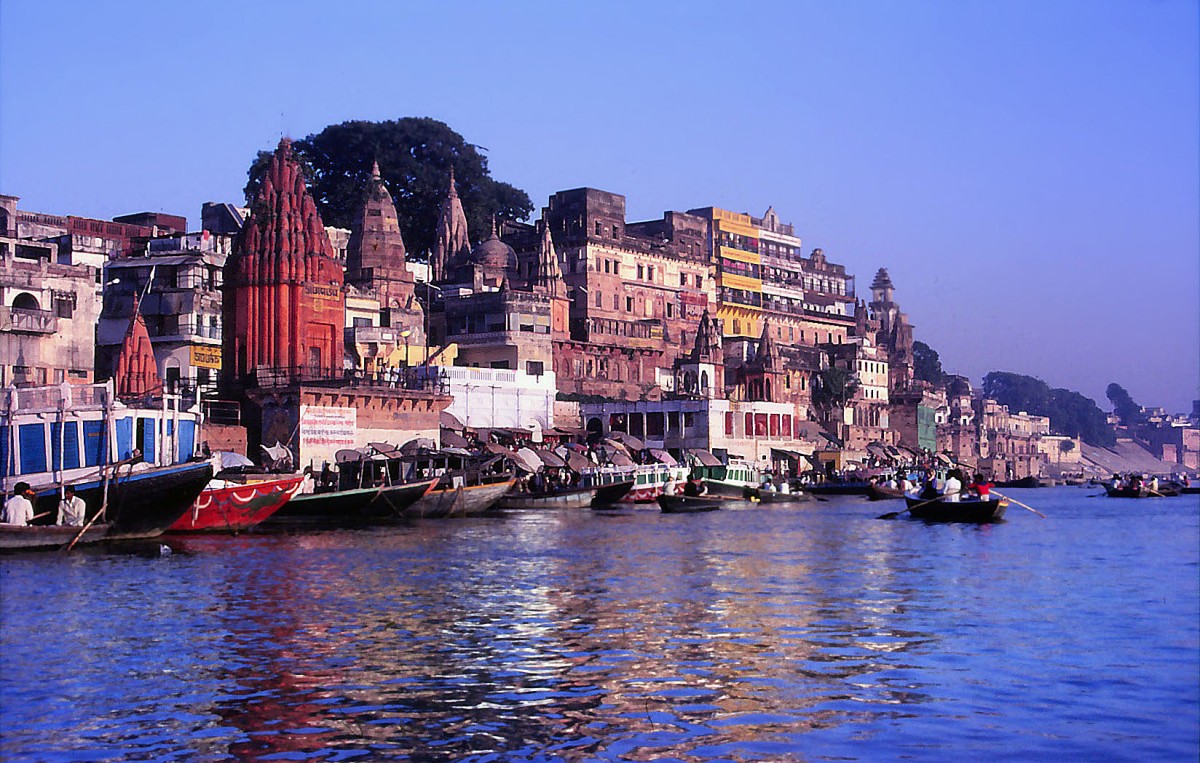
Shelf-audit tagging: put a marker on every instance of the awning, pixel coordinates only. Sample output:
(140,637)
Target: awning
(452,440)
(527,459)
(550,459)
(577,463)
(457,451)
(416,444)
(348,455)
(385,449)
(450,421)
(663,457)
(520,460)
(704,457)
(779,454)
(618,458)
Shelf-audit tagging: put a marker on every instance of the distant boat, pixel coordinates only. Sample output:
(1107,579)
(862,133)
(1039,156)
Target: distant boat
(1022,482)
(460,500)
(877,492)
(236,507)
(568,498)
(974,512)
(1141,491)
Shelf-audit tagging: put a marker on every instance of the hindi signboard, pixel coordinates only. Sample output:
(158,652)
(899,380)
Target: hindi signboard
(325,431)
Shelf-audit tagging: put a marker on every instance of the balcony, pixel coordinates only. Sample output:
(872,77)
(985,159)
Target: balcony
(26,321)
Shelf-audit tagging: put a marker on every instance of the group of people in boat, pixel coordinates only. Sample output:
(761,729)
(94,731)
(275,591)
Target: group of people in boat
(18,509)
(956,487)
(1134,481)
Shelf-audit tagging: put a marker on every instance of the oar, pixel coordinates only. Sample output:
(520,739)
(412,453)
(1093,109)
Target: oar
(1014,500)
(894,514)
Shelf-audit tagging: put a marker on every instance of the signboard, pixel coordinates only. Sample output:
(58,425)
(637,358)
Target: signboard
(325,431)
(204,356)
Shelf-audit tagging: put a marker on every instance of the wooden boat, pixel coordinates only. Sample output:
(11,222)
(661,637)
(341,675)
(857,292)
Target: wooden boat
(652,480)
(460,500)
(1140,492)
(976,512)
(236,507)
(356,504)
(877,492)
(847,487)
(142,502)
(569,498)
(48,536)
(684,504)
(1023,482)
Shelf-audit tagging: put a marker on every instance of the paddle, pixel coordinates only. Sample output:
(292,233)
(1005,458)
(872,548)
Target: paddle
(1014,500)
(894,514)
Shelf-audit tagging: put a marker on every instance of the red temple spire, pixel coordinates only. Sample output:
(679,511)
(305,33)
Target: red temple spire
(137,372)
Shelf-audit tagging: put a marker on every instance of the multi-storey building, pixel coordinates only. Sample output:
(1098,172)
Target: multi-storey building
(762,275)
(636,290)
(175,285)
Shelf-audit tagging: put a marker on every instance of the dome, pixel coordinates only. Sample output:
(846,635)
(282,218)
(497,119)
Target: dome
(494,253)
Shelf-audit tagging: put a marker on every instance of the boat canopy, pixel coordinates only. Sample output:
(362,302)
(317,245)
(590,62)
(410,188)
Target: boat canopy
(663,457)
(704,457)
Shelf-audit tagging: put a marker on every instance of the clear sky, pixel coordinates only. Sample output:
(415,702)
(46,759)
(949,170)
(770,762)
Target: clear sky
(1028,171)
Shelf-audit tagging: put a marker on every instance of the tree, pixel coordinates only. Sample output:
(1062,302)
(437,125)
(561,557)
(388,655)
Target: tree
(1127,410)
(927,366)
(833,387)
(415,155)
(1070,413)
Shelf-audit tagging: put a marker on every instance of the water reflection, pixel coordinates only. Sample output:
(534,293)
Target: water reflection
(770,635)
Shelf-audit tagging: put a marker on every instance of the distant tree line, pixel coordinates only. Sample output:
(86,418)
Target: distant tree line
(1070,413)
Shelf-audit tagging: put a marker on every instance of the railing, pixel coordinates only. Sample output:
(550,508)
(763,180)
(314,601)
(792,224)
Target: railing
(28,321)
(414,378)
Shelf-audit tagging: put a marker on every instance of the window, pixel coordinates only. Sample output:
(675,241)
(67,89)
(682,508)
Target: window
(699,281)
(749,422)
(683,279)
(729,423)
(499,364)
(737,326)
(670,310)
(608,266)
(534,367)
(599,299)
(641,273)
(629,304)
(599,229)
(650,273)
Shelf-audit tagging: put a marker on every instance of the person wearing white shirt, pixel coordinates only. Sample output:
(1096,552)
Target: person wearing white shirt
(953,487)
(72,509)
(18,510)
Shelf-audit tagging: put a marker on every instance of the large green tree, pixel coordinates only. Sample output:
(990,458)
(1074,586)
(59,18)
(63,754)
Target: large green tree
(415,155)
(927,366)
(1070,413)
(833,387)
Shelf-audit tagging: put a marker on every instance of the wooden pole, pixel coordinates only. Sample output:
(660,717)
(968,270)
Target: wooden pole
(1014,500)
(894,514)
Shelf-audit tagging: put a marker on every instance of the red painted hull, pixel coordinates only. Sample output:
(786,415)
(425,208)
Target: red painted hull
(237,508)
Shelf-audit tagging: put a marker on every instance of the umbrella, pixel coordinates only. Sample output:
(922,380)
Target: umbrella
(618,458)
(704,457)
(227,459)
(627,440)
(550,459)
(663,457)
(526,459)
(415,444)
(452,440)
(348,454)
(577,463)
(450,421)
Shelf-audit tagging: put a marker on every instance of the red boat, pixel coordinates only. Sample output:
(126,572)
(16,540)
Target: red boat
(237,507)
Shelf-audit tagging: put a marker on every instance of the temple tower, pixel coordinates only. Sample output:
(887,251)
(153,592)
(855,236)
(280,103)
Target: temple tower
(893,332)
(284,299)
(702,371)
(137,371)
(453,243)
(375,261)
(763,374)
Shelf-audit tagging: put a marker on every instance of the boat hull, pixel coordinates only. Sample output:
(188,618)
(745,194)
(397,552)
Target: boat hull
(877,493)
(460,501)
(141,504)
(972,512)
(772,497)
(688,504)
(1145,492)
(237,507)
(1027,482)
(357,505)
(578,498)
(614,492)
(839,488)
(15,537)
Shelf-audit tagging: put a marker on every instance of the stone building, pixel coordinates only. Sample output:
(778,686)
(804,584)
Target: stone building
(864,417)
(176,286)
(889,328)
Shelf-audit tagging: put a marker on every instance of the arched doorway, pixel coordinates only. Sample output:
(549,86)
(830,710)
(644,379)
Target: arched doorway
(26,301)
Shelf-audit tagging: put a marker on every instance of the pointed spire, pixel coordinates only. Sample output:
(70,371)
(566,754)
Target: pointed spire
(707,348)
(452,244)
(494,226)
(137,371)
(768,354)
(375,171)
(549,274)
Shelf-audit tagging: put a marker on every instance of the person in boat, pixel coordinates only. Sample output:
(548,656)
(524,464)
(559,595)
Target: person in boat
(18,510)
(903,483)
(1153,484)
(982,488)
(308,485)
(71,509)
(930,491)
(954,486)
(695,487)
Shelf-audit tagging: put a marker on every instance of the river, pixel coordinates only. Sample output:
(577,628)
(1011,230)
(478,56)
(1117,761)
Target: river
(810,633)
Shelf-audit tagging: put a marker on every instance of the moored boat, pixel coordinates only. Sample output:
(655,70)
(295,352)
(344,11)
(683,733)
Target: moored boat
(686,504)
(355,504)
(839,487)
(234,507)
(460,500)
(1141,491)
(736,479)
(780,497)
(974,512)
(1027,482)
(566,498)
(652,480)
(877,492)
(33,537)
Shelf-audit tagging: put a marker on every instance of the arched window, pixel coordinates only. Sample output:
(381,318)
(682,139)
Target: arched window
(26,301)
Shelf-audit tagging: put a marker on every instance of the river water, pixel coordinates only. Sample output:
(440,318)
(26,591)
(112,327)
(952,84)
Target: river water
(811,633)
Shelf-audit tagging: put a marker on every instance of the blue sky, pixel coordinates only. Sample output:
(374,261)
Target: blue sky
(1029,172)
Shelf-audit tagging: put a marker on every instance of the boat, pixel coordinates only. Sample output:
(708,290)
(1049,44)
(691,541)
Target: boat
(652,480)
(1022,482)
(877,492)
(1141,491)
(779,497)
(355,504)
(234,507)
(32,537)
(684,504)
(940,510)
(736,479)
(567,498)
(839,487)
(457,499)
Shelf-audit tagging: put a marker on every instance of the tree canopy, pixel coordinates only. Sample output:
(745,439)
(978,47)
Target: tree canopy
(1126,409)
(927,366)
(833,386)
(415,155)
(1070,413)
